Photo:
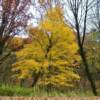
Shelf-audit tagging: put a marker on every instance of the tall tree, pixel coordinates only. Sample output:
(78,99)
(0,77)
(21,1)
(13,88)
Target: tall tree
(52,56)
(13,17)
(80,11)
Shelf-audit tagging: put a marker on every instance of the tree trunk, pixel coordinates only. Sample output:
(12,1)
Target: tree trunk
(86,65)
(35,79)
(88,74)
(22,82)
(1,48)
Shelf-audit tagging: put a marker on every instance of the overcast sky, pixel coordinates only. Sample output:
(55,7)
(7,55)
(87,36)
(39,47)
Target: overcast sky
(67,13)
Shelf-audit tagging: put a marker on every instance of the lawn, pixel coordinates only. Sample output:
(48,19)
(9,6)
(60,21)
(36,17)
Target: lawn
(6,90)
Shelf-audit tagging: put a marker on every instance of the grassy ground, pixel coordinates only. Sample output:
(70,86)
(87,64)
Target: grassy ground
(6,90)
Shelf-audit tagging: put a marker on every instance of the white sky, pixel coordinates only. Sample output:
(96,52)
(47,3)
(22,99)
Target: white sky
(68,15)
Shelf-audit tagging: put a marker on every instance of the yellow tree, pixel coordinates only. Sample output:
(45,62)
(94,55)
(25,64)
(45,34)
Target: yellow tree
(52,56)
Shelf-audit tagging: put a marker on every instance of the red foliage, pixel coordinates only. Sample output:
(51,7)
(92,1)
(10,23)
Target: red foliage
(13,15)
(27,40)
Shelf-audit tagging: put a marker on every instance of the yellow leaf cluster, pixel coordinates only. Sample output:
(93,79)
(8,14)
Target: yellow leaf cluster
(53,52)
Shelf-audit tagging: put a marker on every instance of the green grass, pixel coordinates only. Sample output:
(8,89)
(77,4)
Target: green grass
(6,90)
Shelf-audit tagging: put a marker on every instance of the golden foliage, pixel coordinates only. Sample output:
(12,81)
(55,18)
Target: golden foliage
(53,52)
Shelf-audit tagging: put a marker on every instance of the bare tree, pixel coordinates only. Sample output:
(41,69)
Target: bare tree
(95,16)
(80,10)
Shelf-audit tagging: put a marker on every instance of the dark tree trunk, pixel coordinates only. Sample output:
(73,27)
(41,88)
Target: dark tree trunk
(22,82)
(88,74)
(1,48)
(82,54)
(35,79)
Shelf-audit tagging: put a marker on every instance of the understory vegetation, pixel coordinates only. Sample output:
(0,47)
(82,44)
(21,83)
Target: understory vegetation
(7,90)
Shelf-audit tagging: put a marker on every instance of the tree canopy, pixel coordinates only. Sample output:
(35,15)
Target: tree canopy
(52,55)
